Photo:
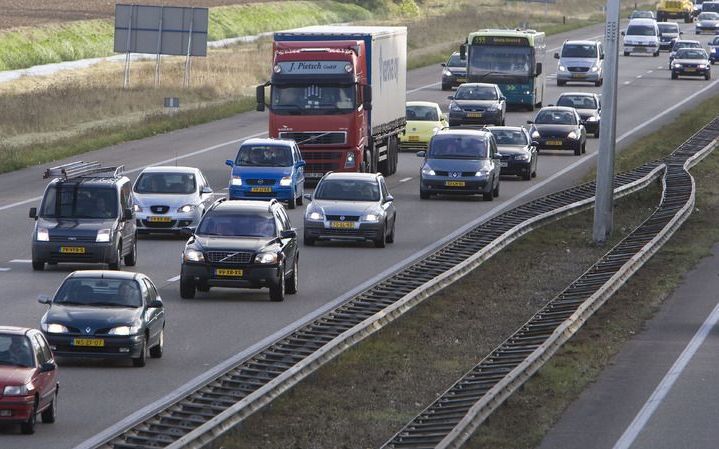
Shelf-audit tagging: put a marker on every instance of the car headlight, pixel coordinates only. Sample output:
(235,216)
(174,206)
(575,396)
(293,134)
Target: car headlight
(492,108)
(482,173)
(702,66)
(522,157)
(562,68)
(266,258)
(572,135)
(677,66)
(286,181)
(446,72)
(193,255)
(236,181)
(594,68)
(316,216)
(593,118)
(43,235)
(19,390)
(186,208)
(712,50)
(137,208)
(103,235)
(427,170)
(535,134)
(54,328)
(350,160)
(435,129)
(455,107)
(372,218)
(125,330)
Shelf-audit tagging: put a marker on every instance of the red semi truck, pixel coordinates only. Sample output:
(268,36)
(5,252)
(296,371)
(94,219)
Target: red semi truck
(339,92)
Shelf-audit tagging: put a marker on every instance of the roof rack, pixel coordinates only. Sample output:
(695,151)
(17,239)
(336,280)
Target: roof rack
(82,169)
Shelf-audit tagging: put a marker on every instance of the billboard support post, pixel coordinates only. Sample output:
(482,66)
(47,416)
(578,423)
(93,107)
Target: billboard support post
(159,48)
(126,81)
(188,60)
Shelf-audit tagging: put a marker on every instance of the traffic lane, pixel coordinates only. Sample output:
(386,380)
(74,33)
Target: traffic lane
(607,407)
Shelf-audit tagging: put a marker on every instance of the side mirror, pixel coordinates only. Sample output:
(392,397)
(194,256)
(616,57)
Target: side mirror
(550,105)
(187,232)
(502,98)
(388,199)
(530,122)
(300,164)
(443,65)
(156,304)
(681,33)
(33,213)
(260,94)
(288,234)
(451,97)
(43,299)
(556,55)
(498,155)
(463,52)
(128,214)
(47,367)
(444,116)
(307,196)
(367,97)
(623,33)
(206,190)
(422,153)
(601,56)
(230,163)
(535,143)
(538,69)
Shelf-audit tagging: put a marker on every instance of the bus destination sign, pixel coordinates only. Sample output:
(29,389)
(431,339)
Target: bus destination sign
(501,40)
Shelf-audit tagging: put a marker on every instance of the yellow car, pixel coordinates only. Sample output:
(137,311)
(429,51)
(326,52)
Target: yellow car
(424,119)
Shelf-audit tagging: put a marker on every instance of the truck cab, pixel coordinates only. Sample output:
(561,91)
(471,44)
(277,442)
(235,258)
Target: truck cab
(675,9)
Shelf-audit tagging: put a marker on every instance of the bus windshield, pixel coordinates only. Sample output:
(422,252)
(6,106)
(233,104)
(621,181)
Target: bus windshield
(504,62)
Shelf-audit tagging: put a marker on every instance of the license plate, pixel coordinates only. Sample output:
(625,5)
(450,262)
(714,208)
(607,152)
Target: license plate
(89,342)
(474,114)
(504,164)
(639,49)
(454,183)
(72,250)
(159,219)
(554,142)
(231,272)
(342,225)
(690,70)
(314,175)
(579,75)
(461,80)
(5,413)
(261,189)
(414,138)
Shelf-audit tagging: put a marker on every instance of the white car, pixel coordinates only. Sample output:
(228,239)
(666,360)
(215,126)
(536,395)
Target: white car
(168,199)
(641,36)
(707,22)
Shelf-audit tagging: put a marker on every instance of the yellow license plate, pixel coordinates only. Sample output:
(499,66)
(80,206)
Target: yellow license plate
(554,142)
(159,219)
(89,342)
(454,183)
(461,80)
(474,114)
(578,75)
(690,70)
(342,225)
(414,138)
(72,250)
(228,272)
(261,189)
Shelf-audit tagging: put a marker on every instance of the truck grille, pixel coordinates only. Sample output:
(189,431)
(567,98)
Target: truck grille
(317,137)
(323,155)
(234,257)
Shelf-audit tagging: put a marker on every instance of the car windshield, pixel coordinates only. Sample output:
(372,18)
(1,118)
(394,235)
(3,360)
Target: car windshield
(475,93)
(422,113)
(99,292)
(679,45)
(73,200)
(348,190)
(449,146)
(690,53)
(313,98)
(579,51)
(237,225)
(666,28)
(577,101)
(454,61)
(555,118)
(708,16)
(641,30)
(15,350)
(713,6)
(642,15)
(166,183)
(509,136)
(714,41)
(264,156)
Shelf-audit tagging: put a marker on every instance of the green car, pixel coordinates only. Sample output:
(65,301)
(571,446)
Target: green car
(424,119)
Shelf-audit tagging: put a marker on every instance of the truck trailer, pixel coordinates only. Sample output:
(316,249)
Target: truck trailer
(339,92)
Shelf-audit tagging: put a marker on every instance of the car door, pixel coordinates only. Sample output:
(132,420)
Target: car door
(388,206)
(154,317)
(289,245)
(204,190)
(43,379)
(502,102)
(127,223)
(299,169)
(582,130)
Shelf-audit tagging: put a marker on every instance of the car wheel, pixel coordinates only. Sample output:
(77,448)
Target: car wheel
(300,200)
(598,83)
(48,415)
(292,283)
(584,147)
(381,240)
(656,53)
(156,351)
(131,259)
(28,427)
(708,76)
(118,257)
(277,290)
(141,360)
(390,236)
(309,241)
(291,203)
(38,265)
(487,196)
(187,288)
(526,176)
(596,134)
(446,87)
(578,150)
(674,76)
(561,83)
(424,195)
(495,191)
(626,53)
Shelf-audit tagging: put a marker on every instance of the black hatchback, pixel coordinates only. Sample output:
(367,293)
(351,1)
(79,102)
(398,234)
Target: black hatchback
(242,244)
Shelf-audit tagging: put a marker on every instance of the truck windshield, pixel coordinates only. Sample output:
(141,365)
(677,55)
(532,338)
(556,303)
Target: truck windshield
(510,64)
(318,99)
(264,156)
(77,201)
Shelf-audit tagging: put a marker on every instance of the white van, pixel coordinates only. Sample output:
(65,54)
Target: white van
(642,36)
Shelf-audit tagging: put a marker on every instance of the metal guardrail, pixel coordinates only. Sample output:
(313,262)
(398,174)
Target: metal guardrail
(453,417)
(213,408)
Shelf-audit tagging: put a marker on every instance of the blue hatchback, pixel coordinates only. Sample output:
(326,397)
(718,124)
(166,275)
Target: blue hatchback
(268,168)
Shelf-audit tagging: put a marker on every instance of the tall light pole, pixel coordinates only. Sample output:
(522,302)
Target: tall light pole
(604,206)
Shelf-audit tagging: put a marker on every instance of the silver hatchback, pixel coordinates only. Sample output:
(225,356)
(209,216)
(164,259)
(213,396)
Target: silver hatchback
(580,61)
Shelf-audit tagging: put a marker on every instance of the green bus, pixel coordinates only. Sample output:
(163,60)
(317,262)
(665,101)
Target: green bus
(512,59)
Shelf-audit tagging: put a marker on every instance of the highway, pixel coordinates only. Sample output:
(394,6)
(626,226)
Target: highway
(661,390)
(213,327)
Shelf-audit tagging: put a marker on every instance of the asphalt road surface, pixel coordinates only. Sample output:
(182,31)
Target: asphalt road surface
(214,326)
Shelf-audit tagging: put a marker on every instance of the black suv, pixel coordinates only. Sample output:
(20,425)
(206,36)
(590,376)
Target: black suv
(242,244)
(85,217)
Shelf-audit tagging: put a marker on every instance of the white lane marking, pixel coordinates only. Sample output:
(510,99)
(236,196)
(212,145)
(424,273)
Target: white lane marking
(660,393)
(4,269)
(650,71)
(405,179)
(21,261)
(627,82)
(426,86)
(639,76)
(174,279)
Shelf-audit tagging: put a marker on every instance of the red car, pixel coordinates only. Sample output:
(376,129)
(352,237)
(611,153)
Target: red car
(28,378)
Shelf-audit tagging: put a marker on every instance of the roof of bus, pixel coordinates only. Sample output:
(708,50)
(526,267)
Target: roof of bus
(507,33)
